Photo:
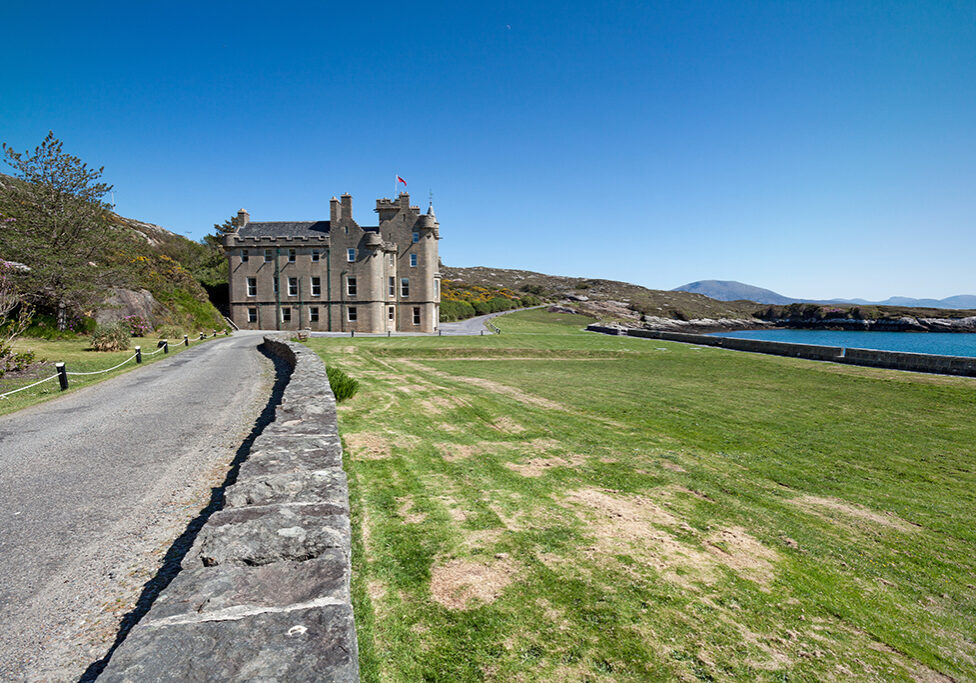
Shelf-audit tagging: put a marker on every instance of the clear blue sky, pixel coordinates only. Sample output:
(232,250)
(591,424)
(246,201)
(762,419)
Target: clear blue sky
(818,149)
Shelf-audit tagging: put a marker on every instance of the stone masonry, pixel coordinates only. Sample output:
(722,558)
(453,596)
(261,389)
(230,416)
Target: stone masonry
(264,591)
(336,275)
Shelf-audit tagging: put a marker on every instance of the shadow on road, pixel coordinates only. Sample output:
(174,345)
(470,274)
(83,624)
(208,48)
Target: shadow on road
(179,549)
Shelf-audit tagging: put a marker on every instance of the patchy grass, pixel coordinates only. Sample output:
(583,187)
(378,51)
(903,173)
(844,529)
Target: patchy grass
(77,356)
(548,504)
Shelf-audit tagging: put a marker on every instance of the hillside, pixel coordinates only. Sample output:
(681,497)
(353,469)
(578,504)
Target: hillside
(730,290)
(145,271)
(608,300)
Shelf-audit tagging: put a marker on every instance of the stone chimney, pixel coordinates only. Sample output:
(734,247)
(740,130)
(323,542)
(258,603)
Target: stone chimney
(335,213)
(243,217)
(347,205)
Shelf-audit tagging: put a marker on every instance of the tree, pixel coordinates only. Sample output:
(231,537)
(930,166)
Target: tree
(61,231)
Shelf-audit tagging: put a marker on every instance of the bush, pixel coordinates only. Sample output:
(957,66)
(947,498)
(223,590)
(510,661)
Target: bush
(169,332)
(111,337)
(11,361)
(138,326)
(343,386)
(44,326)
(455,310)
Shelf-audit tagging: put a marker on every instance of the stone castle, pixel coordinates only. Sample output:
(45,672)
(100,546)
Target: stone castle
(336,275)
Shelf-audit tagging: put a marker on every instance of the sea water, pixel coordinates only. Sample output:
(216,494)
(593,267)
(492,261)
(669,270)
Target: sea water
(939,343)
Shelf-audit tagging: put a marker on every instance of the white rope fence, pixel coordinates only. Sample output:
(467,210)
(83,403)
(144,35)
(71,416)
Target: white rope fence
(137,356)
(99,372)
(46,379)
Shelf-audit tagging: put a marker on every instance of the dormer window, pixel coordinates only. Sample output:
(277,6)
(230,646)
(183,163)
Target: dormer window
(350,255)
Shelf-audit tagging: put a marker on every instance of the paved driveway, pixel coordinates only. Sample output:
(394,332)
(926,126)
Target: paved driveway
(95,486)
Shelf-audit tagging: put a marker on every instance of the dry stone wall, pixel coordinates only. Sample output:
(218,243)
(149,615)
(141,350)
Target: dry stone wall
(915,362)
(264,591)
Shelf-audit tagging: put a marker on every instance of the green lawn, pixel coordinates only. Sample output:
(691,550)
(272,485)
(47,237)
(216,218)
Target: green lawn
(550,504)
(77,356)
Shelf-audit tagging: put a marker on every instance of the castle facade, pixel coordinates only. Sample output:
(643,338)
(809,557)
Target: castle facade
(336,275)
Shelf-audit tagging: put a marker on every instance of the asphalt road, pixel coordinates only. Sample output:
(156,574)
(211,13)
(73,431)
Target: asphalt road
(95,487)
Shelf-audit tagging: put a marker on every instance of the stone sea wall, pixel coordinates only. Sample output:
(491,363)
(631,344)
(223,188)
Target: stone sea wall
(264,591)
(895,360)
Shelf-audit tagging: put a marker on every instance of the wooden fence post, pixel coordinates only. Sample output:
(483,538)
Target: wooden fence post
(138,354)
(62,376)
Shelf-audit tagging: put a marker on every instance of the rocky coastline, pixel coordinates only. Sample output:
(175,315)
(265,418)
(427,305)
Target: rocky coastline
(707,325)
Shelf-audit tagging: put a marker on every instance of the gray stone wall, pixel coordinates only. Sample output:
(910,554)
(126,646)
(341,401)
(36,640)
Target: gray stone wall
(915,362)
(264,591)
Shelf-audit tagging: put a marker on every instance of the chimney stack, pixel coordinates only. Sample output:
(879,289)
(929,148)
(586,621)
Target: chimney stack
(335,213)
(347,206)
(242,218)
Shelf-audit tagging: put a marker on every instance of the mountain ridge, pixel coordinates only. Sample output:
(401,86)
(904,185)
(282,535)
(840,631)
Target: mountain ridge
(733,290)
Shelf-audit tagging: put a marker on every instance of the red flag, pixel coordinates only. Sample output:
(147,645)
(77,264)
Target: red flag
(401,180)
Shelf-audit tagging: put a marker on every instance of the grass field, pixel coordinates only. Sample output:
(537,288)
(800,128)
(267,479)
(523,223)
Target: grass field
(77,356)
(549,504)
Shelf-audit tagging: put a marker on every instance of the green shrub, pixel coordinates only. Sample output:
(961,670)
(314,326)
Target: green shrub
(343,386)
(45,326)
(452,310)
(170,332)
(111,337)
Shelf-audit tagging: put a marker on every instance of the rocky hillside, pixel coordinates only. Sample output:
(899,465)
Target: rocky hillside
(623,303)
(144,272)
(614,301)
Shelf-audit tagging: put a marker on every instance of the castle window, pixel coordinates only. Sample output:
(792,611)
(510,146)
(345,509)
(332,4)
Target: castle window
(437,287)
(252,315)
(252,286)
(413,260)
(416,237)
(350,255)
(243,255)
(392,260)
(316,286)
(392,286)
(416,315)
(293,286)
(286,314)
(405,286)
(315,254)
(292,254)
(275,280)
(351,313)
(391,313)
(351,286)
(267,255)
(313,315)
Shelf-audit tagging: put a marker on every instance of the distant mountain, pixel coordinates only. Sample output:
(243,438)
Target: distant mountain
(730,290)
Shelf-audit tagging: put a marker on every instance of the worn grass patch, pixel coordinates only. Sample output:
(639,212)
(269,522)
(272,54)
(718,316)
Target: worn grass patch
(695,514)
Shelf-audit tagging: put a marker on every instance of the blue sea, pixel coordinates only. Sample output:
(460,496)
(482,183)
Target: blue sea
(940,343)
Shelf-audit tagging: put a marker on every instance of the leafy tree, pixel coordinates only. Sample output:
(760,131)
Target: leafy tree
(61,229)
